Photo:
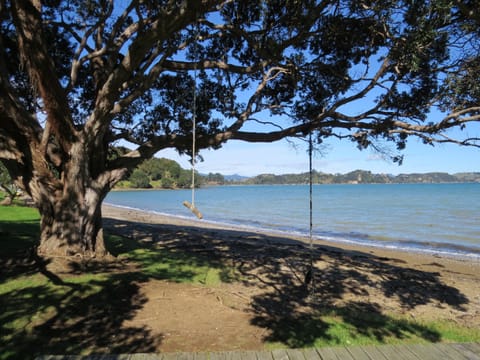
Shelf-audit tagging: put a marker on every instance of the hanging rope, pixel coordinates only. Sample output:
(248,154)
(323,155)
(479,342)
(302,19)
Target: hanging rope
(194,127)
(309,274)
(191,205)
(310,171)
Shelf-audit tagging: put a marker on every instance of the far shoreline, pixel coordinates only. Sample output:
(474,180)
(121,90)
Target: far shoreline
(294,184)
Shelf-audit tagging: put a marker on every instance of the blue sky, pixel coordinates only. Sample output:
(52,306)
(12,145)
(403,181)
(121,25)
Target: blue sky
(339,156)
(281,157)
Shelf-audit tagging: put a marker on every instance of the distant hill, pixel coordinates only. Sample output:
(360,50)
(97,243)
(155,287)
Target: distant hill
(363,177)
(168,174)
(235,177)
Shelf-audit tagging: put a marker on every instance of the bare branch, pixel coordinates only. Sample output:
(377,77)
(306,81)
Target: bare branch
(213,64)
(381,72)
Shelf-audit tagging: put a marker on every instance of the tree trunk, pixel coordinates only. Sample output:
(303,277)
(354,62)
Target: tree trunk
(70,227)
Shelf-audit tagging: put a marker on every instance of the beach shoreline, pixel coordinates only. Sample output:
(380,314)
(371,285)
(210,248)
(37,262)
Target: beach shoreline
(150,217)
(273,291)
(416,259)
(432,220)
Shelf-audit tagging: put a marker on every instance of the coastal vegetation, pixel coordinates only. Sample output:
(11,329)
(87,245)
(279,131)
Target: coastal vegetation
(168,174)
(80,77)
(158,173)
(353,177)
(363,177)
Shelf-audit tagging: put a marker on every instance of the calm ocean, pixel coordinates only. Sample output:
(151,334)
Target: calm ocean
(440,218)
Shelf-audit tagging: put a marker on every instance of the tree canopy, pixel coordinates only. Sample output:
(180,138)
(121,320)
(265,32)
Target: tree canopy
(80,76)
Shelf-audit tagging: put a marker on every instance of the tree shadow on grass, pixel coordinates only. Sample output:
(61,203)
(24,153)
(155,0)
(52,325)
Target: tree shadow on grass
(346,299)
(84,309)
(175,253)
(73,319)
(67,312)
(17,242)
(343,301)
(73,307)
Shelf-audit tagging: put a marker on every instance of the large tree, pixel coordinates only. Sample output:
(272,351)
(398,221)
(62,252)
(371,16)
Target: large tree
(79,76)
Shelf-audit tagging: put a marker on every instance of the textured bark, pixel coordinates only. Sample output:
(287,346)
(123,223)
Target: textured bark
(70,227)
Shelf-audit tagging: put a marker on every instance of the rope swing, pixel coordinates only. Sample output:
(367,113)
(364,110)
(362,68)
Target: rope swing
(191,206)
(309,274)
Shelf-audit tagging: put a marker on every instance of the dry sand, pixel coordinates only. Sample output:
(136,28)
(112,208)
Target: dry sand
(272,292)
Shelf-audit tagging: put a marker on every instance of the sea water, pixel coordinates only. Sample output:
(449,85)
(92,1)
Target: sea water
(438,218)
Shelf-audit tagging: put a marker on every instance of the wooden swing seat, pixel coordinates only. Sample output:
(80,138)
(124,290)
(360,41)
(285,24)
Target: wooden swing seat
(193,209)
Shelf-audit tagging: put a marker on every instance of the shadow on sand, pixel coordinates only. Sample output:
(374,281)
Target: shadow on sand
(346,285)
(82,308)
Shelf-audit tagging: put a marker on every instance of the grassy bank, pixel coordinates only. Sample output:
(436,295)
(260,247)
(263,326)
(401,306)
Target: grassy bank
(79,308)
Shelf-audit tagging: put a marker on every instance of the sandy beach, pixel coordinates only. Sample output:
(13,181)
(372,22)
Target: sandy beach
(275,287)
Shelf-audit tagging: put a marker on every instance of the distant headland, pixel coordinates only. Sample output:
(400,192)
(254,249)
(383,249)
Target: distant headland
(362,177)
(168,174)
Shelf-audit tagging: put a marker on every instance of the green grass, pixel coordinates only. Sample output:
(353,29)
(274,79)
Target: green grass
(172,265)
(18,214)
(178,267)
(88,310)
(19,229)
(81,312)
(342,327)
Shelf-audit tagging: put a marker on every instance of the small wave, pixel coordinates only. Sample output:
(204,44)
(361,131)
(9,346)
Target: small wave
(443,249)
(176,216)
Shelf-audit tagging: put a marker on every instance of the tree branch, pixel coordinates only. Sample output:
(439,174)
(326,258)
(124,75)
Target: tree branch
(27,18)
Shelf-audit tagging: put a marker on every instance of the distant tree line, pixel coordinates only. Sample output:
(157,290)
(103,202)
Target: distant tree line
(168,174)
(161,173)
(363,177)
